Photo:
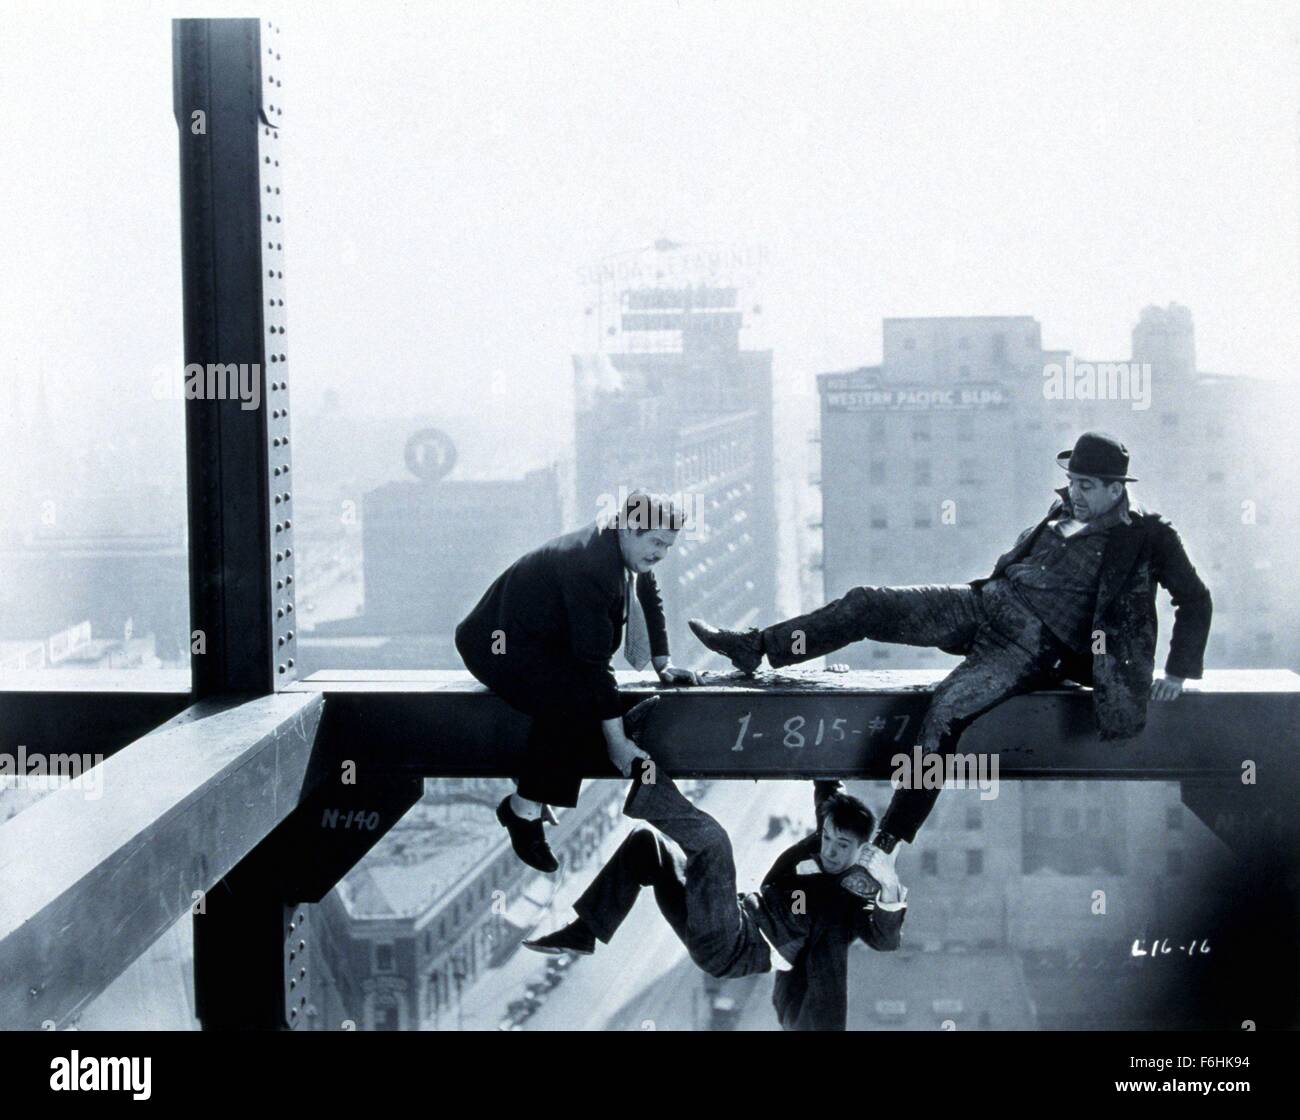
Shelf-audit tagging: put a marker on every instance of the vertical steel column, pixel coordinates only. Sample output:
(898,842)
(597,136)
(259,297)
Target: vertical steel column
(228,112)
(226,92)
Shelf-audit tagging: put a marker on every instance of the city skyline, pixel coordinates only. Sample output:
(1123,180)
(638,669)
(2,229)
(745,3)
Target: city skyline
(1077,170)
(323,686)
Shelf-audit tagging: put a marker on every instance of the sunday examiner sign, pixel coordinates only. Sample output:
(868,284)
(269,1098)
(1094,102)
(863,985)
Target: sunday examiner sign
(849,394)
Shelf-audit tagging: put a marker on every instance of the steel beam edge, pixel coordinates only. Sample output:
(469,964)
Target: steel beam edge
(87,883)
(809,725)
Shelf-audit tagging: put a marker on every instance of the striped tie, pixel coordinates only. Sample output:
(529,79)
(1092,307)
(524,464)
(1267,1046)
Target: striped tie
(636,639)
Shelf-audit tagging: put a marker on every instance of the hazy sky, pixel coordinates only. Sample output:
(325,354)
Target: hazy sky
(451,166)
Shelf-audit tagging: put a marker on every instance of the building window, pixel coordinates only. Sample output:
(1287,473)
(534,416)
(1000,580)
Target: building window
(1174,817)
(434,993)
(963,343)
(1042,821)
(967,472)
(1169,419)
(909,344)
(1094,820)
(963,371)
(877,470)
(920,516)
(878,430)
(921,429)
(974,861)
(1174,861)
(921,472)
(974,818)
(929,863)
(1215,478)
(879,520)
(385,958)
(965,427)
(1070,820)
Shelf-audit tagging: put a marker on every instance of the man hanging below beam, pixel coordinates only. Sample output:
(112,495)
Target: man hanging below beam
(821,894)
(1074,598)
(542,638)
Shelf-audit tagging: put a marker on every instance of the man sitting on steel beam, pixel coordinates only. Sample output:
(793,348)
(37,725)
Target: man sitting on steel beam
(1074,598)
(821,894)
(542,638)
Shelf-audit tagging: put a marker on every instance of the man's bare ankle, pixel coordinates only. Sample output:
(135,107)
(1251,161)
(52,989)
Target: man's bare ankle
(524,809)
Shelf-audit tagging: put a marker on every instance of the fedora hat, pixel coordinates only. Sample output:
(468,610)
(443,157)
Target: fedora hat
(1098,454)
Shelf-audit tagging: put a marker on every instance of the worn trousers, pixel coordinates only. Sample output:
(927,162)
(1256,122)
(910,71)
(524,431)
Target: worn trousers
(693,878)
(1007,650)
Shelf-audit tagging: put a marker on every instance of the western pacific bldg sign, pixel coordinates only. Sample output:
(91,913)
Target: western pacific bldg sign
(851,393)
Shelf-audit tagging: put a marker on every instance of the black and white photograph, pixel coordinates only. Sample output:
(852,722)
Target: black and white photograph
(584,517)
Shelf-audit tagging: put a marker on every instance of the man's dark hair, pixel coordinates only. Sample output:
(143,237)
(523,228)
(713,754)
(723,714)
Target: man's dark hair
(643,512)
(848,814)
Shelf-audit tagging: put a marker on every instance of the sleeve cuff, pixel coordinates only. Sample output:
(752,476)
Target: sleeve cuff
(891,906)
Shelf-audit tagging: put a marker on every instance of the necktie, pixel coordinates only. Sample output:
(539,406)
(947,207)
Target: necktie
(636,638)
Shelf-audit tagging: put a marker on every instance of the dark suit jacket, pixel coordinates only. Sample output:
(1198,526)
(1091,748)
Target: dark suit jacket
(559,612)
(813,994)
(1138,556)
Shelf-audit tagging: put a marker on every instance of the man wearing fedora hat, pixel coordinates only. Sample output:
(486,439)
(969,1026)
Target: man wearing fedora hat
(1074,598)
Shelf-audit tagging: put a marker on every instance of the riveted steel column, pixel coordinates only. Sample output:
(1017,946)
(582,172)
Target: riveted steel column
(228,110)
(227,99)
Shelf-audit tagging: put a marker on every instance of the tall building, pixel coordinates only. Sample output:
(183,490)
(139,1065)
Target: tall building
(932,463)
(935,459)
(670,400)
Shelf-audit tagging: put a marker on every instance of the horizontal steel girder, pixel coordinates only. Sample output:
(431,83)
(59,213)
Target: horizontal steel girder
(813,724)
(89,880)
(90,712)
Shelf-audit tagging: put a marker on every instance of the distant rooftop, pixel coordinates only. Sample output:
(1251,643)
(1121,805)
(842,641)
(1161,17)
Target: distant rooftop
(420,860)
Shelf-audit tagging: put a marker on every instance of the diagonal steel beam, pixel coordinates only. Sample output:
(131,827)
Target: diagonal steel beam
(90,877)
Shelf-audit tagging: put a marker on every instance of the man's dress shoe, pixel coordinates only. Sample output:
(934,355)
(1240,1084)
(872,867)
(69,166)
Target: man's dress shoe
(858,881)
(743,648)
(573,938)
(527,838)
